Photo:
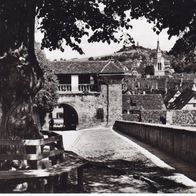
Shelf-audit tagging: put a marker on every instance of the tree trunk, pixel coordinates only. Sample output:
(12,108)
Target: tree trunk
(20,74)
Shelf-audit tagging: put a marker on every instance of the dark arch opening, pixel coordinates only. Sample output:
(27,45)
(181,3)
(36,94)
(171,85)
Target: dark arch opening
(70,117)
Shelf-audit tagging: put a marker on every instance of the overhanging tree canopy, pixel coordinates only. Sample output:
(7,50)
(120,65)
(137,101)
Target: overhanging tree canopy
(61,19)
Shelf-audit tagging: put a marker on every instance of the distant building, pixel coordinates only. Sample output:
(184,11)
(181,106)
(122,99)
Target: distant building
(171,97)
(144,108)
(152,85)
(186,100)
(182,111)
(90,93)
(176,87)
(161,63)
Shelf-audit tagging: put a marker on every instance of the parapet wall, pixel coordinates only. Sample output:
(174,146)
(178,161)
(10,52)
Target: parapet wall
(178,141)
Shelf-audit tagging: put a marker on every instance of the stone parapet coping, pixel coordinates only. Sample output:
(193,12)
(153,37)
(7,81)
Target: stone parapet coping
(172,127)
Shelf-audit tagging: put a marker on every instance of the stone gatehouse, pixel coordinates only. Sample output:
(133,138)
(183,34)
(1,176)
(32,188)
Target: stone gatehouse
(90,93)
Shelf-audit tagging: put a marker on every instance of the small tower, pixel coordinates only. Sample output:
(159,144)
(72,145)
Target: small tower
(159,65)
(158,50)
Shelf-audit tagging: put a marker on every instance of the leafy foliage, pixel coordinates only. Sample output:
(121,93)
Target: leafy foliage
(46,98)
(149,70)
(71,20)
(184,54)
(184,63)
(91,58)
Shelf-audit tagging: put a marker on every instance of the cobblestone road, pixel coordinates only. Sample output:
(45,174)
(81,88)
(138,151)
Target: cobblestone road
(120,166)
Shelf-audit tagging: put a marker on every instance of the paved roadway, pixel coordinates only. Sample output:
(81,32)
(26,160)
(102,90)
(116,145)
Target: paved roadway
(140,170)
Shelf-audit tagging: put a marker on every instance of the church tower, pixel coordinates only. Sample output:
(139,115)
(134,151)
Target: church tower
(159,64)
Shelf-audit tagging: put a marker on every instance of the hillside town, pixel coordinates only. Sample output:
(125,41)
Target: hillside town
(112,90)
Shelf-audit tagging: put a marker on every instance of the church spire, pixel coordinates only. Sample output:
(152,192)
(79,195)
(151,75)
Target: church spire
(158,46)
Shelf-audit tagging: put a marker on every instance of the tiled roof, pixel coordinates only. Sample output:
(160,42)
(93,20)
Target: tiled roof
(111,67)
(88,67)
(144,102)
(182,99)
(169,96)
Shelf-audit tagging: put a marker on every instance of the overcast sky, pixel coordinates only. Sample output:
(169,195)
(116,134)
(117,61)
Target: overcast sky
(142,33)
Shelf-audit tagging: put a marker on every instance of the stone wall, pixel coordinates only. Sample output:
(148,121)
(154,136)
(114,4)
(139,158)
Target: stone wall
(115,102)
(131,117)
(153,116)
(182,117)
(176,140)
(86,105)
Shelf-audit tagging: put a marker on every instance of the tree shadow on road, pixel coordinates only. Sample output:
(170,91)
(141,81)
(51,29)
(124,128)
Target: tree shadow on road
(121,176)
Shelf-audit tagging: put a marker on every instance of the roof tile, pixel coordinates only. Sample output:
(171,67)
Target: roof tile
(88,67)
(182,99)
(144,102)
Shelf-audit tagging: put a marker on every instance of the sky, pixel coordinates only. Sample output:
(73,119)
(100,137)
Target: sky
(142,33)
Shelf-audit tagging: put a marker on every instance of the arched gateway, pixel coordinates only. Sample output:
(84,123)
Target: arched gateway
(70,117)
(63,117)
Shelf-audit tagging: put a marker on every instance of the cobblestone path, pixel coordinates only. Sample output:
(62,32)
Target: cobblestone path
(119,166)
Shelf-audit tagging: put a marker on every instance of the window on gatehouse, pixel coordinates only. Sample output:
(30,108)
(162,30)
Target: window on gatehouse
(64,78)
(84,79)
(100,114)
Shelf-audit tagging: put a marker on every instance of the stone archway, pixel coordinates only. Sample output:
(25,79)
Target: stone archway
(70,117)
